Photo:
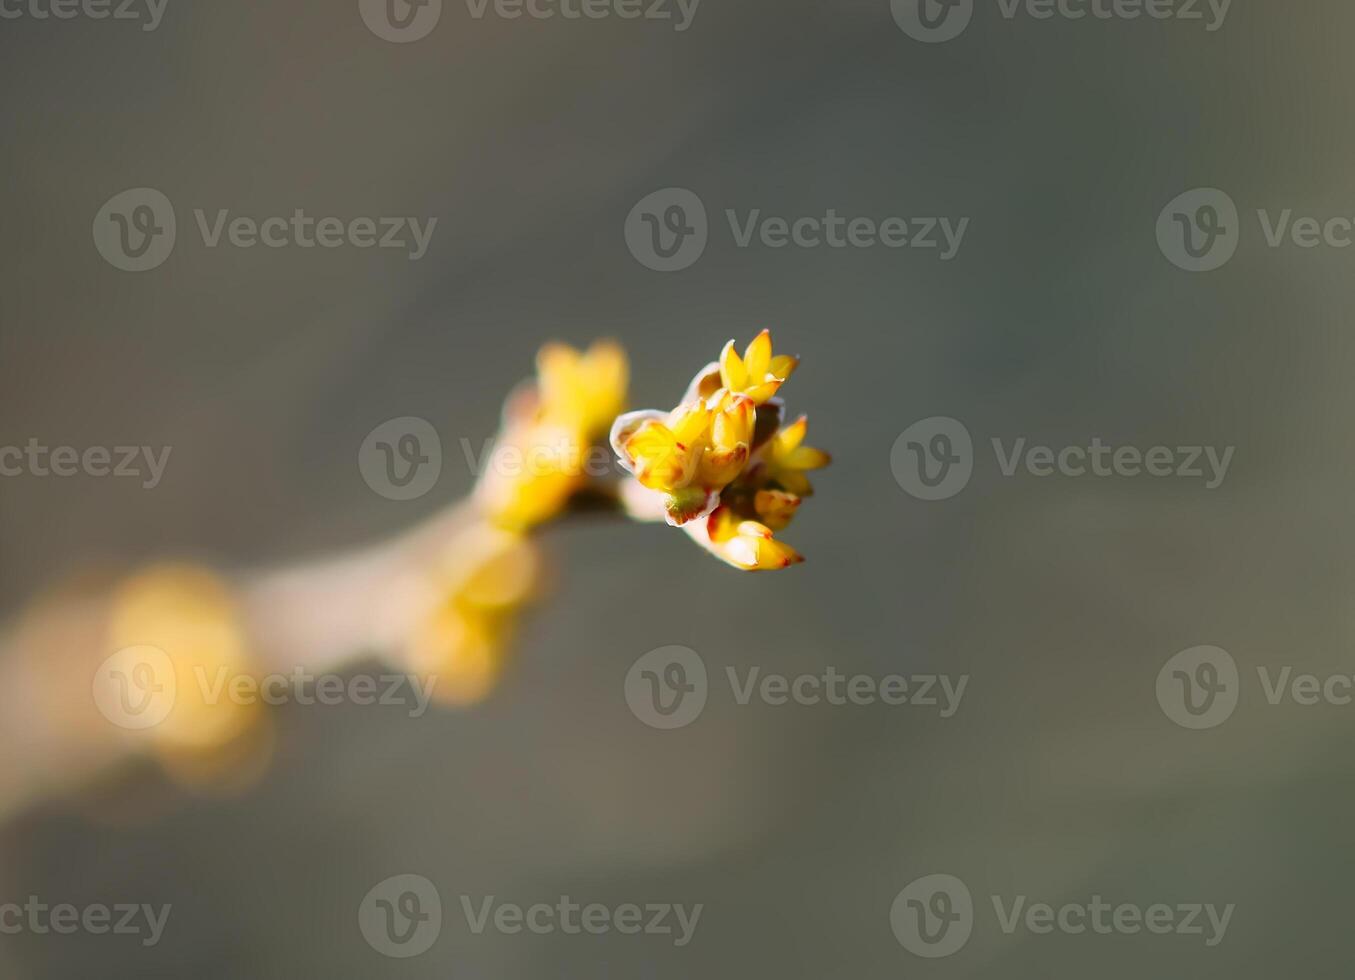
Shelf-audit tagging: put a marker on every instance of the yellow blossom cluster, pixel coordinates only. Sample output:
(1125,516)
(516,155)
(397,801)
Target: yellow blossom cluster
(721,464)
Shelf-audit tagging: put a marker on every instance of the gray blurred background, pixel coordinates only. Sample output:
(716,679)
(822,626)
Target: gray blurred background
(1059,777)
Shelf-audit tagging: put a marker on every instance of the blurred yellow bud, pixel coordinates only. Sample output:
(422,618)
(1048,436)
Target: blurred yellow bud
(460,652)
(177,649)
(540,459)
(582,390)
(460,644)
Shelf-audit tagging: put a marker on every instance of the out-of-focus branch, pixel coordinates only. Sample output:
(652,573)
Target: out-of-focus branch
(317,616)
(397,600)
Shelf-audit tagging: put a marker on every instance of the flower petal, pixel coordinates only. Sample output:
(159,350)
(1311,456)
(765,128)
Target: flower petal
(733,423)
(776,508)
(705,384)
(558,377)
(776,554)
(719,467)
(626,426)
(653,450)
(690,424)
(733,374)
(604,375)
(783,366)
(758,357)
(789,438)
(760,393)
(807,458)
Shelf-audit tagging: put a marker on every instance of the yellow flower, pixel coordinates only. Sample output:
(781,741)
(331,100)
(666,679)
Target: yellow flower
(540,458)
(460,654)
(744,544)
(757,374)
(784,460)
(690,454)
(460,641)
(582,391)
(731,435)
(531,473)
(665,454)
